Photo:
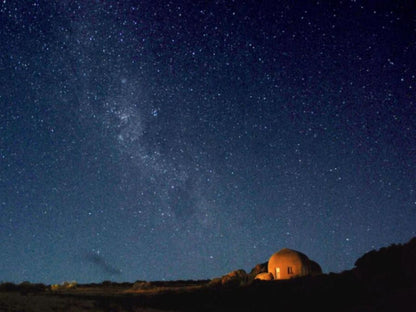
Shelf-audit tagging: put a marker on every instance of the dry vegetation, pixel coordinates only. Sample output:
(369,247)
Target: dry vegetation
(383,280)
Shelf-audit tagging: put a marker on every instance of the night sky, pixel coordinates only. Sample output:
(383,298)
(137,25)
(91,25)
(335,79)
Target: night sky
(150,140)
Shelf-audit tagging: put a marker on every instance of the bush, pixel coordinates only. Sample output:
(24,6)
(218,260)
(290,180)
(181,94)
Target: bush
(8,287)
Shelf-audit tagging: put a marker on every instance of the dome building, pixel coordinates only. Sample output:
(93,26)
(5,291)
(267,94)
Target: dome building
(288,263)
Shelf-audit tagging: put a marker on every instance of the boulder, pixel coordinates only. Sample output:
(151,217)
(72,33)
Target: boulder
(265,276)
(232,279)
(259,268)
(235,278)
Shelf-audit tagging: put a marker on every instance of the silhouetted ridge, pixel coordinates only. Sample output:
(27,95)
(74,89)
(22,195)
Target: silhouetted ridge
(396,263)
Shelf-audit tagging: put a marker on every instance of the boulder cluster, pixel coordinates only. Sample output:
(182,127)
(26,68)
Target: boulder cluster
(240,277)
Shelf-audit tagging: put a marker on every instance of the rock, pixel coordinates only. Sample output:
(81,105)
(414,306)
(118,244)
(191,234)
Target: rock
(235,278)
(265,276)
(232,279)
(259,268)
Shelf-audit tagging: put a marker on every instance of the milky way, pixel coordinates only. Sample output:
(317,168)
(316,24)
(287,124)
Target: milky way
(143,140)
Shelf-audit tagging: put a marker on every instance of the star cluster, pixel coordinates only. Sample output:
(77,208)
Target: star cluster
(149,140)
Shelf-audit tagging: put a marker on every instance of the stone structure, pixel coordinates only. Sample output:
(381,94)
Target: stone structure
(288,263)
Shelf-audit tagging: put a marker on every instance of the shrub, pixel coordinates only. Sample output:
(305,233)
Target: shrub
(8,287)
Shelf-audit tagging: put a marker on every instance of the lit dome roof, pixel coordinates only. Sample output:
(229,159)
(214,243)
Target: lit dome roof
(287,263)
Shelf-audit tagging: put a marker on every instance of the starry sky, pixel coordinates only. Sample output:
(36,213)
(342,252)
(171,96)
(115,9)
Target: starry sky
(165,140)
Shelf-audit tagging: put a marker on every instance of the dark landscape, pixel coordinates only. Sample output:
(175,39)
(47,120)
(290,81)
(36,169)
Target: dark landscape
(382,280)
(207,155)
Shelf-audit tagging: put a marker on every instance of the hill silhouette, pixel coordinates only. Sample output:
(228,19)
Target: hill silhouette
(382,280)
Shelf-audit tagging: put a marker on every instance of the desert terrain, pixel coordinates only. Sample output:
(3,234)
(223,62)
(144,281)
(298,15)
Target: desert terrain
(382,280)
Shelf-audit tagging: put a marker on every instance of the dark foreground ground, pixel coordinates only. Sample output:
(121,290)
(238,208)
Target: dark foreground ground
(383,280)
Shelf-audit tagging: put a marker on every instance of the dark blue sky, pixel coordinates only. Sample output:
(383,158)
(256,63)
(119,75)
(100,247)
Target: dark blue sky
(149,140)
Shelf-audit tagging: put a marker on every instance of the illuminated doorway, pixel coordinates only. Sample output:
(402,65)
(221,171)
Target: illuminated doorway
(277,273)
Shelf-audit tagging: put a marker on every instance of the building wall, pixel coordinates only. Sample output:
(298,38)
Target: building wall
(288,267)
(288,263)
